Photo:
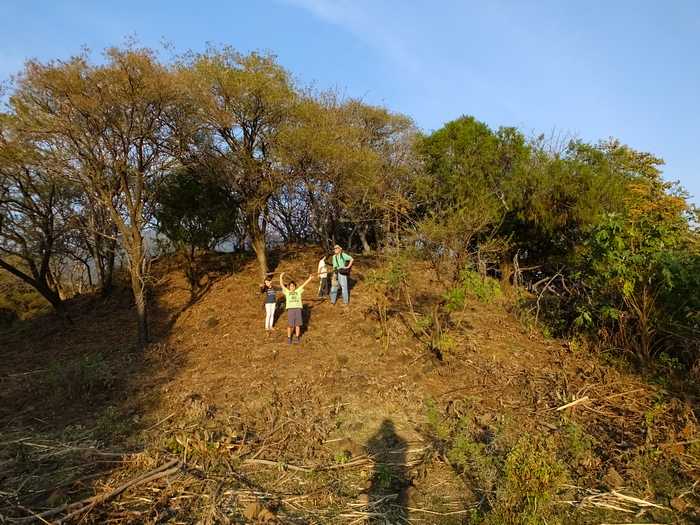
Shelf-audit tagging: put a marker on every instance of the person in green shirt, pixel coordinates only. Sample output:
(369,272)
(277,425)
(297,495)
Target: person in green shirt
(294,305)
(342,262)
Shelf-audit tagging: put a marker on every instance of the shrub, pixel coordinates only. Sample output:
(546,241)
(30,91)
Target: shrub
(531,476)
(519,480)
(472,284)
(86,375)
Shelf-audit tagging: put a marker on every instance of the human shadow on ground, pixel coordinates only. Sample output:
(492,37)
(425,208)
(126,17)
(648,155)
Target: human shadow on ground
(390,481)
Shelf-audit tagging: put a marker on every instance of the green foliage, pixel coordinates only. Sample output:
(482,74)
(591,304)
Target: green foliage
(385,286)
(391,277)
(577,444)
(384,476)
(483,288)
(522,474)
(633,278)
(465,190)
(342,456)
(436,423)
(532,475)
(455,299)
(471,284)
(18,300)
(195,209)
(88,375)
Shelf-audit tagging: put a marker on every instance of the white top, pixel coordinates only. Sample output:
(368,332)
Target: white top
(322,269)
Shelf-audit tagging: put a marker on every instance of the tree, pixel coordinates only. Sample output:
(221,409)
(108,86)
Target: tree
(317,151)
(243,102)
(630,267)
(341,161)
(195,212)
(380,190)
(115,122)
(33,201)
(465,191)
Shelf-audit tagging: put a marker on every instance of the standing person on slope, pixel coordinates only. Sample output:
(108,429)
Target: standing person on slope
(342,263)
(270,303)
(323,275)
(294,306)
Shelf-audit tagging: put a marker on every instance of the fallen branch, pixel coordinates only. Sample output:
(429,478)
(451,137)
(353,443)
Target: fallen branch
(279,464)
(573,403)
(78,507)
(299,468)
(451,513)
(616,501)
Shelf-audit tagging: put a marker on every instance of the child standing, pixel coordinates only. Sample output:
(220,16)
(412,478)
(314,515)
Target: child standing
(270,303)
(294,306)
(323,275)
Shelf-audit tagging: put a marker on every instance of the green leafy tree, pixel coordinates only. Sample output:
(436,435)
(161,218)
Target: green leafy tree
(195,213)
(114,123)
(631,266)
(467,187)
(34,204)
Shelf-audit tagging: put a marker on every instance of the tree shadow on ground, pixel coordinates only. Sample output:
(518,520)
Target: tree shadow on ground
(215,266)
(74,398)
(388,490)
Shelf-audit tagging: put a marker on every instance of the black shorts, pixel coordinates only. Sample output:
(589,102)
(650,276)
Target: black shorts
(294,317)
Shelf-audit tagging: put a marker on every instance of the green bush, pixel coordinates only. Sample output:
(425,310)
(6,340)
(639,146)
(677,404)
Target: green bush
(532,473)
(472,285)
(18,300)
(87,375)
(520,480)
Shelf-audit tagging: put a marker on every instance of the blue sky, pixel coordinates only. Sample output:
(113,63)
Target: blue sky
(596,69)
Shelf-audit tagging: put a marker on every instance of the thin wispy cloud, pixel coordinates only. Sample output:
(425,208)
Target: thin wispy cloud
(368,24)
(406,36)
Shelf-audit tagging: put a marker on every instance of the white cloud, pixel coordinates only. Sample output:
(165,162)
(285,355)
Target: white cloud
(369,25)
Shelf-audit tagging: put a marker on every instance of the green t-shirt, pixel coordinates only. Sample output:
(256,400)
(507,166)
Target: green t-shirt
(341,260)
(293,298)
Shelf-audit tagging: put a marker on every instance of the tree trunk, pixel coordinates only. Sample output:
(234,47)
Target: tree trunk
(89,274)
(138,286)
(350,237)
(257,240)
(106,284)
(40,286)
(507,272)
(366,249)
(52,297)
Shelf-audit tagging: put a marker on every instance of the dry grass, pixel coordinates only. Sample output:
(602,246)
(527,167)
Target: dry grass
(331,431)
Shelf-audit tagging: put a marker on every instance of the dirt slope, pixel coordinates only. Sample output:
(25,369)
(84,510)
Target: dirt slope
(344,398)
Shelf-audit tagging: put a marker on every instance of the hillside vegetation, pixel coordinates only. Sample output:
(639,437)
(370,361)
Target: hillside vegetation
(362,421)
(522,343)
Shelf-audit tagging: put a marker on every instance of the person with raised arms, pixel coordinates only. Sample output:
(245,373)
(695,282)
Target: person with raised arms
(294,306)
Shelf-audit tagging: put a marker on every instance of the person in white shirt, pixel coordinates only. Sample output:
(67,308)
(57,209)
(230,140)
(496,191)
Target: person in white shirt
(323,277)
